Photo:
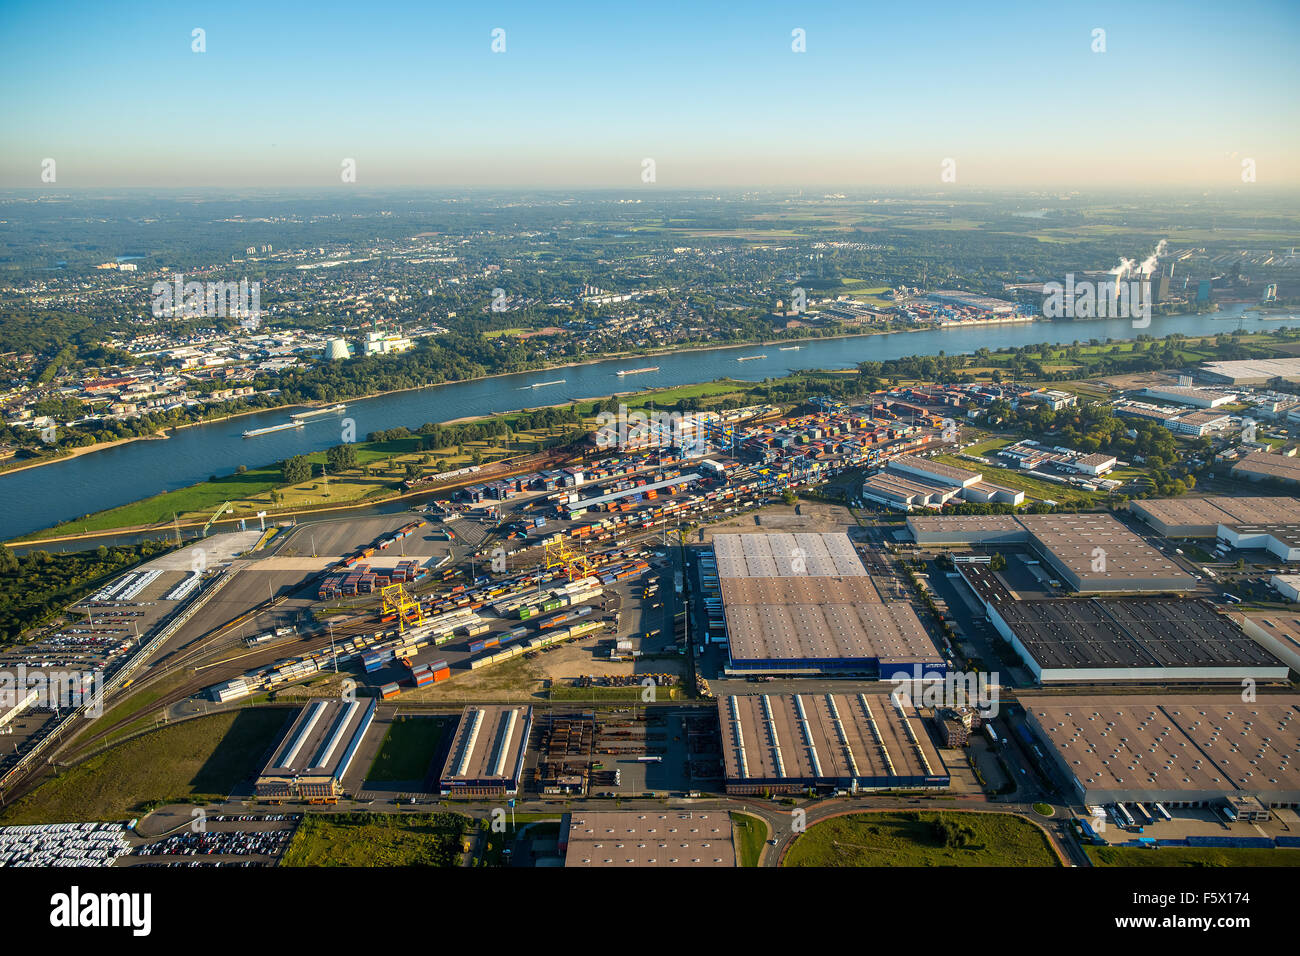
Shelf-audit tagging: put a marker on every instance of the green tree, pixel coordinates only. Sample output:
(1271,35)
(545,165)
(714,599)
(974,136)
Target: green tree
(295,470)
(341,458)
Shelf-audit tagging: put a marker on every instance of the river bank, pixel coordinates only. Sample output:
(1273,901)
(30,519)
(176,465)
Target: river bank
(169,430)
(68,489)
(495,470)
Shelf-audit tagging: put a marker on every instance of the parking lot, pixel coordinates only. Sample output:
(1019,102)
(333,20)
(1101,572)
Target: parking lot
(1200,822)
(223,840)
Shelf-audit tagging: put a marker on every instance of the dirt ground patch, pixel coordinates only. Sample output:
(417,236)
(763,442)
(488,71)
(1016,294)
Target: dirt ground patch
(1139,380)
(806,516)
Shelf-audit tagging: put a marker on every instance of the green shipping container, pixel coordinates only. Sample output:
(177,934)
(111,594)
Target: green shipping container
(525,613)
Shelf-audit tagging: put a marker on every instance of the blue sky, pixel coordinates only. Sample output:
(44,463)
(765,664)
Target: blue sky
(712,93)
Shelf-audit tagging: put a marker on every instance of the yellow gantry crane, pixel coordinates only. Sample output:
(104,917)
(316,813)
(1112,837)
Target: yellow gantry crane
(397,599)
(575,564)
(215,515)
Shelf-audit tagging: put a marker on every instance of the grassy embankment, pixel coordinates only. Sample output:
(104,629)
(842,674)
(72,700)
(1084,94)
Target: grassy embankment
(198,760)
(750,835)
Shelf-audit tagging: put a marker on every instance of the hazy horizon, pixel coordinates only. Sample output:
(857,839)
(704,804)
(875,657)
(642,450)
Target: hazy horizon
(1014,98)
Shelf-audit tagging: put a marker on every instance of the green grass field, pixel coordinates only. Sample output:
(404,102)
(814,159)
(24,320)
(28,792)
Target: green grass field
(1032,487)
(408,749)
(667,397)
(205,496)
(377,839)
(868,294)
(380,471)
(200,759)
(983,448)
(138,700)
(911,839)
(1128,856)
(751,834)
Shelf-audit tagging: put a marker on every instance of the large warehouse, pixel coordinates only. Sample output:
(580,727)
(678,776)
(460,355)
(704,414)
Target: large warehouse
(1277,631)
(786,743)
(1188,395)
(967,529)
(911,481)
(311,760)
(487,752)
(1178,751)
(648,838)
(1265,466)
(1201,517)
(1121,639)
(1090,553)
(1253,371)
(803,603)
(1282,541)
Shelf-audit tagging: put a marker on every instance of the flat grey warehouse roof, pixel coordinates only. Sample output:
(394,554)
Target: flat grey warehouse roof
(792,597)
(650,838)
(1195,744)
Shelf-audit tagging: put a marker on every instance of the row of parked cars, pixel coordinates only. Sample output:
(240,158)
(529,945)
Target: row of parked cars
(219,843)
(171,863)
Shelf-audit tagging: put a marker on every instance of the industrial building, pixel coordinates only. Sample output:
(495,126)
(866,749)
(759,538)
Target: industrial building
(897,491)
(1253,371)
(1198,424)
(487,752)
(1180,421)
(1287,585)
(1094,553)
(910,482)
(1053,398)
(1277,631)
(1266,466)
(934,471)
(15,702)
(1282,541)
(967,529)
(648,838)
(1030,455)
(786,743)
(804,603)
(1121,639)
(1202,517)
(1181,751)
(1090,553)
(1188,395)
(309,763)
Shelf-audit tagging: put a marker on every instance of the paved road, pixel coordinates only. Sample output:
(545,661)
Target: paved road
(780,819)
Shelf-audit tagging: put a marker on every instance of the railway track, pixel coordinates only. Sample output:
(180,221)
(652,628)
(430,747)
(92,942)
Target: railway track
(209,661)
(207,674)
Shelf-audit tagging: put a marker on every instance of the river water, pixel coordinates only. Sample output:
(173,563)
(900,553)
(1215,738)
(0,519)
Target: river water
(40,497)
